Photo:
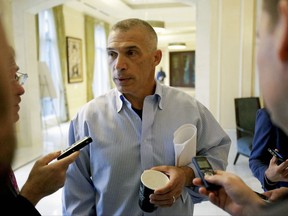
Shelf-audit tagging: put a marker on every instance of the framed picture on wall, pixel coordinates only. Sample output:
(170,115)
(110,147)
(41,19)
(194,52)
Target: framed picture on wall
(182,69)
(74,59)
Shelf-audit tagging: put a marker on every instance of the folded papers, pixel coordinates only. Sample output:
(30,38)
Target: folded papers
(185,138)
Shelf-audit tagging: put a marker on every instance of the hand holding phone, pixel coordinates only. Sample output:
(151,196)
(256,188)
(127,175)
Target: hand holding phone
(204,168)
(262,196)
(280,158)
(75,147)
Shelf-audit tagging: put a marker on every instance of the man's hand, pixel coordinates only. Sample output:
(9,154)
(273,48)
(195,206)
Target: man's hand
(234,196)
(276,173)
(179,178)
(276,194)
(45,178)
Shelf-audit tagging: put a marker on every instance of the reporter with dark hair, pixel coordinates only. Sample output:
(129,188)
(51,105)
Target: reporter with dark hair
(267,169)
(235,197)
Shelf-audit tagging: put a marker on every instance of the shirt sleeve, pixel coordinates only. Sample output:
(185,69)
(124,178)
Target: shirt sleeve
(260,157)
(78,200)
(25,207)
(212,142)
(13,203)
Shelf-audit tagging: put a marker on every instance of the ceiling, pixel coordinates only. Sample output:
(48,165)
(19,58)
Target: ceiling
(178,15)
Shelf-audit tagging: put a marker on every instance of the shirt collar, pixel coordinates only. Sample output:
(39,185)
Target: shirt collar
(159,94)
(120,99)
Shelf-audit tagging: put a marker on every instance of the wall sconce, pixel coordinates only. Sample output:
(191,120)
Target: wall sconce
(176,46)
(159,26)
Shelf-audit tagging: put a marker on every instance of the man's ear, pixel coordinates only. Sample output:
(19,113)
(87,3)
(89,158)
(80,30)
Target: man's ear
(283,46)
(157,57)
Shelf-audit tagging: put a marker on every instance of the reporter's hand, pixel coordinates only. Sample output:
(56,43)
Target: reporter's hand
(276,194)
(234,197)
(46,178)
(178,180)
(277,173)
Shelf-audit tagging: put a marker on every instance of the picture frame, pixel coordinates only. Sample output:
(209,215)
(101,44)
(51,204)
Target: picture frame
(74,59)
(182,69)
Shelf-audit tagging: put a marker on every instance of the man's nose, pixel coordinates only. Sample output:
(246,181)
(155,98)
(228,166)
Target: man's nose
(120,63)
(19,89)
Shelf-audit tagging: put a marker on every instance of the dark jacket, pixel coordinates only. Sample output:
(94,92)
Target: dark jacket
(14,204)
(267,135)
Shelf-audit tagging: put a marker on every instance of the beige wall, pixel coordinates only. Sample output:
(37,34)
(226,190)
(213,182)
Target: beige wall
(76,92)
(6,19)
(225,63)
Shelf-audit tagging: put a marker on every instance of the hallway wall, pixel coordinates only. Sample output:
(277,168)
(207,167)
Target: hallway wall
(225,55)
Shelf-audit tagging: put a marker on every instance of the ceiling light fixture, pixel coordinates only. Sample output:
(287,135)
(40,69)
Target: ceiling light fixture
(176,46)
(158,26)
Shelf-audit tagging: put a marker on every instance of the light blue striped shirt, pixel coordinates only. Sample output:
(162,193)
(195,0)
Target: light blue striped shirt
(105,179)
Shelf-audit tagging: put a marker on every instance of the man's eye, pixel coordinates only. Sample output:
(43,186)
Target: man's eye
(112,54)
(131,52)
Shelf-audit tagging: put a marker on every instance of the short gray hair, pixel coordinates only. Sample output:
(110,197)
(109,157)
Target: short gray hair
(127,24)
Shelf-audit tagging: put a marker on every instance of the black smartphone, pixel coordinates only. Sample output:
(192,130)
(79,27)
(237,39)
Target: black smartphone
(204,168)
(280,158)
(75,147)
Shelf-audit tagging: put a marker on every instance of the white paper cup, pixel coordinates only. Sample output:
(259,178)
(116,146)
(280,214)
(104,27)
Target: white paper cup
(150,181)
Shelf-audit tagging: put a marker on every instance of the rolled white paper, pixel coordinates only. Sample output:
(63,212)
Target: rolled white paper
(185,138)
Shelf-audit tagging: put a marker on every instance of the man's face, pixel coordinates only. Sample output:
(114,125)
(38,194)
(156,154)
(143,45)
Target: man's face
(7,137)
(17,89)
(132,62)
(273,72)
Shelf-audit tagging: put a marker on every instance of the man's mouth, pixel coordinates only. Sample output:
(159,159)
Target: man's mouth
(122,79)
